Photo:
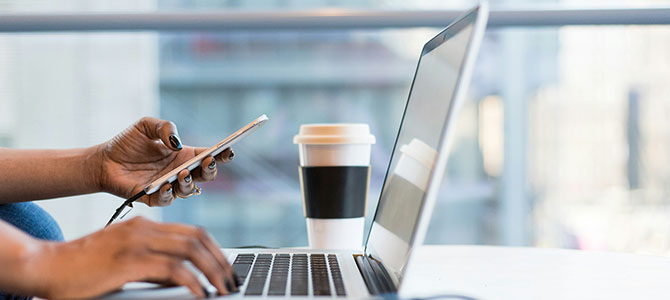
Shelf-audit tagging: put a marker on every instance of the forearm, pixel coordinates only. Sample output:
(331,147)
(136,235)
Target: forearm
(18,253)
(43,174)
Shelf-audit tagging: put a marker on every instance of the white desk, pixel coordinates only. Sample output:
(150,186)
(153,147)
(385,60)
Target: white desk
(487,272)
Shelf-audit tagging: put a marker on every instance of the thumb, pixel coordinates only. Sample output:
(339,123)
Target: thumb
(155,128)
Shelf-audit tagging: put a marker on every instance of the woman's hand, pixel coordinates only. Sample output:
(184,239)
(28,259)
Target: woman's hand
(145,151)
(136,250)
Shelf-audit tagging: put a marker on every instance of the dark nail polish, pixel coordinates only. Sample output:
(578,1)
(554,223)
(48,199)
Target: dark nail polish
(205,292)
(228,285)
(232,154)
(237,279)
(169,191)
(212,165)
(175,142)
(187,178)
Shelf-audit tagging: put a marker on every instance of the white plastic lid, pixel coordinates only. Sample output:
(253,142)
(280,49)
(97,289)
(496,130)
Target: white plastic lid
(334,134)
(421,152)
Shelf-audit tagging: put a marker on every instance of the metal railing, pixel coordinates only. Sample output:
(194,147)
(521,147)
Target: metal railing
(323,19)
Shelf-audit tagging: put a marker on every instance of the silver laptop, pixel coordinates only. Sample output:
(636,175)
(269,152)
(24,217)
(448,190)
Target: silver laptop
(411,186)
(406,203)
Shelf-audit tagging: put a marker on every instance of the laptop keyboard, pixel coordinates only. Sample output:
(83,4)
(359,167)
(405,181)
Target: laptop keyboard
(289,274)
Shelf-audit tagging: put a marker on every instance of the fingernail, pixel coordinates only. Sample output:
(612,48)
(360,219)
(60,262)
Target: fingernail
(237,280)
(175,142)
(212,165)
(169,191)
(188,178)
(205,292)
(227,283)
(232,154)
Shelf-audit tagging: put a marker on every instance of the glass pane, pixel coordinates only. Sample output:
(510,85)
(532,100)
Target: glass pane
(563,141)
(211,84)
(561,102)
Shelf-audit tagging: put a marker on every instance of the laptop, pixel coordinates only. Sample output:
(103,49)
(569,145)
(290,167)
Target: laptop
(411,185)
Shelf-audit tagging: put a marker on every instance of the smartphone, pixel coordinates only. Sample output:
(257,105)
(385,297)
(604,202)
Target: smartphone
(197,160)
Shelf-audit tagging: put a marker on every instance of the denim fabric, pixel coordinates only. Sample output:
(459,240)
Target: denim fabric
(32,219)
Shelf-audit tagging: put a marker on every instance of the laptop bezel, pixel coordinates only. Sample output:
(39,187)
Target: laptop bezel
(477,17)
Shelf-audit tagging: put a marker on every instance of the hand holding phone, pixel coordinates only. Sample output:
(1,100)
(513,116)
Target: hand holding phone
(194,162)
(191,164)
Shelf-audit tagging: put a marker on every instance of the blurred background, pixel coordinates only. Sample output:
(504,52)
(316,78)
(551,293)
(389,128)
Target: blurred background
(564,141)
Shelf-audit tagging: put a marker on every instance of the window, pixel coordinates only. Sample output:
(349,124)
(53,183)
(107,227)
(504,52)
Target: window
(562,143)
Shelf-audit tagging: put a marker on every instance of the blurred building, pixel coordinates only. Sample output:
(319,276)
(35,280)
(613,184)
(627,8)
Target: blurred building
(564,140)
(212,83)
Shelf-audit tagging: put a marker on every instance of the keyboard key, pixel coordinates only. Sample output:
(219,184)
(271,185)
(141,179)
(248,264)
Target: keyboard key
(299,275)
(242,265)
(242,270)
(279,275)
(259,275)
(336,275)
(278,269)
(319,271)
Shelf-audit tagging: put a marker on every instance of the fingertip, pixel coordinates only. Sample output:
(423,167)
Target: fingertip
(182,175)
(226,155)
(175,142)
(230,154)
(209,164)
(228,284)
(185,183)
(165,195)
(234,283)
(208,170)
(181,275)
(169,135)
(223,289)
(237,280)
(199,291)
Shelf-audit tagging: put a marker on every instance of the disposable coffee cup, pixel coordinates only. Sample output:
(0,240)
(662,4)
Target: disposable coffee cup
(334,181)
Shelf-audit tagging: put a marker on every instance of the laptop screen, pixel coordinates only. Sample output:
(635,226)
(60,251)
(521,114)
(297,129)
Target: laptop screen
(417,145)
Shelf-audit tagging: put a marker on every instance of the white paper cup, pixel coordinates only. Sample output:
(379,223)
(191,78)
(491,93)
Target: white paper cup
(334,180)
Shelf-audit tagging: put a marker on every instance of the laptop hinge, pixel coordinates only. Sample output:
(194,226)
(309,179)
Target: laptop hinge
(376,278)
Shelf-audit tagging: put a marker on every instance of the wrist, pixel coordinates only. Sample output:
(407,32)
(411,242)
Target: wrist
(35,270)
(93,166)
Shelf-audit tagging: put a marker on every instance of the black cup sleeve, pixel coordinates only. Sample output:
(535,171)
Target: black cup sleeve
(334,192)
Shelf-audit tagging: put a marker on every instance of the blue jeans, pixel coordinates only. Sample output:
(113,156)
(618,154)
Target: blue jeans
(33,220)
